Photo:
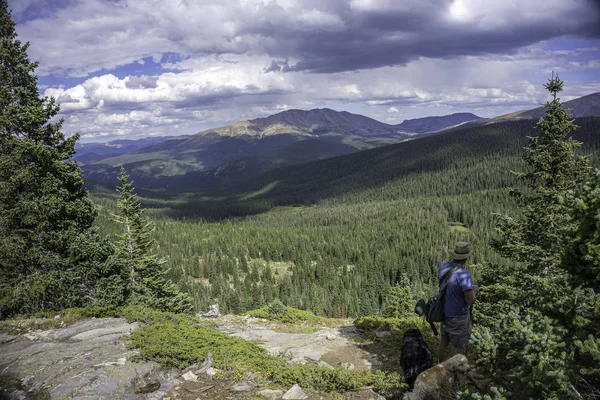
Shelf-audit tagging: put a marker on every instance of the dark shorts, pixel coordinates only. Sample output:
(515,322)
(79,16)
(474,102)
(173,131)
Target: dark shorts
(457,329)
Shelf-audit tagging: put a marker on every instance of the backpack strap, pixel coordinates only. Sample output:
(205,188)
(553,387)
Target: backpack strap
(446,280)
(442,291)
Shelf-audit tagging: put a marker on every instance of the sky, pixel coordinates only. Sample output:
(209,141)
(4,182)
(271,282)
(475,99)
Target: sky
(125,69)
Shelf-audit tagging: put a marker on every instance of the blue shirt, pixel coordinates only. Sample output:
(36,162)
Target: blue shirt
(455,304)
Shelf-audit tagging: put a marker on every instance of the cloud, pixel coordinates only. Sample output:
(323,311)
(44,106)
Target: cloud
(216,62)
(324,37)
(213,91)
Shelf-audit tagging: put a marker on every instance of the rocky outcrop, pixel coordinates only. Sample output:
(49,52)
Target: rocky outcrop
(327,347)
(87,360)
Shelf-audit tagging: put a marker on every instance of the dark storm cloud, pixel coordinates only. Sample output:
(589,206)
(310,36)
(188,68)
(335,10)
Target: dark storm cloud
(372,38)
(323,36)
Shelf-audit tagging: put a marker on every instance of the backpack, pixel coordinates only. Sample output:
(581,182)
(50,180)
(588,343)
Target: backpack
(434,308)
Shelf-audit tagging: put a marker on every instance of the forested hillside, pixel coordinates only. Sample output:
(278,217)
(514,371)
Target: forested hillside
(333,236)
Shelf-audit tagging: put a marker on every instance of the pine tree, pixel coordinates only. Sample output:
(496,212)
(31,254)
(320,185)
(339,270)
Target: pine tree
(533,316)
(555,171)
(44,207)
(400,302)
(146,282)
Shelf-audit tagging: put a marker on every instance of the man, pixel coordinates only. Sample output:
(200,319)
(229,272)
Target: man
(460,295)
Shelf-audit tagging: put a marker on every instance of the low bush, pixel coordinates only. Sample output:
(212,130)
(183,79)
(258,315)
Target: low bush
(179,340)
(287,315)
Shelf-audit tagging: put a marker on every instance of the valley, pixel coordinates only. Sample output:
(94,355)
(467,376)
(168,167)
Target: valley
(334,236)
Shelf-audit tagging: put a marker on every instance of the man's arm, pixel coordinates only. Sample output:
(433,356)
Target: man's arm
(471,295)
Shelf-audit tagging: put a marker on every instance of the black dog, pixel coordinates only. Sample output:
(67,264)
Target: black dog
(415,356)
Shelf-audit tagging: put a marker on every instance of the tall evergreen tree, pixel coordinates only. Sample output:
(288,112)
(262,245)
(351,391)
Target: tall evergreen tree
(146,282)
(535,319)
(540,237)
(44,207)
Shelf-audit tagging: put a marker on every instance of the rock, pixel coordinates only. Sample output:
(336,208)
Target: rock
(347,365)
(312,355)
(366,394)
(244,386)
(373,395)
(211,371)
(120,361)
(190,376)
(382,334)
(213,312)
(149,388)
(324,364)
(440,379)
(269,394)
(295,393)
(18,395)
(93,365)
(57,316)
(194,368)
(330,336)
(27,380)
(205,365)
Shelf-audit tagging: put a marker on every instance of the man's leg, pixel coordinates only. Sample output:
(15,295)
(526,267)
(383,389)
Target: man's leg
(457,350)
(444,341)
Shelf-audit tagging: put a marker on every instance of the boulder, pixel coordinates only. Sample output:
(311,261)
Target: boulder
(245,386)
(149,388)
(87,359)
(440,381)
(295,393)
(347,365)
(190,376)
(205,365)
(382,334)
(269,394)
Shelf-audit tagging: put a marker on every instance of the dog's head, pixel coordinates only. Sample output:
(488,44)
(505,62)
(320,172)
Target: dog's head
(412,334)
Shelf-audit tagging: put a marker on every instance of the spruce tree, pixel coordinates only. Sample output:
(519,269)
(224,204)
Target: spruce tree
(535,319)
(44,207)
(400,302)
(146,283)
(539,238)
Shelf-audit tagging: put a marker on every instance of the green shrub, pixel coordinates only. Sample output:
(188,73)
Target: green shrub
(289,316)
(178,340)
(276,307)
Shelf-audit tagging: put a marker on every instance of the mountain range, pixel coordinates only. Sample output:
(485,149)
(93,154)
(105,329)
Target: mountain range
(237,152)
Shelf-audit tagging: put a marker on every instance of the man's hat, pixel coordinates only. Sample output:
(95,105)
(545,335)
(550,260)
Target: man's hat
(461,251)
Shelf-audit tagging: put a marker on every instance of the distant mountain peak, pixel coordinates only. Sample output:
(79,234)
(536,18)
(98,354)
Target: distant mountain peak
(584,106)
(316,122)
(432,124)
